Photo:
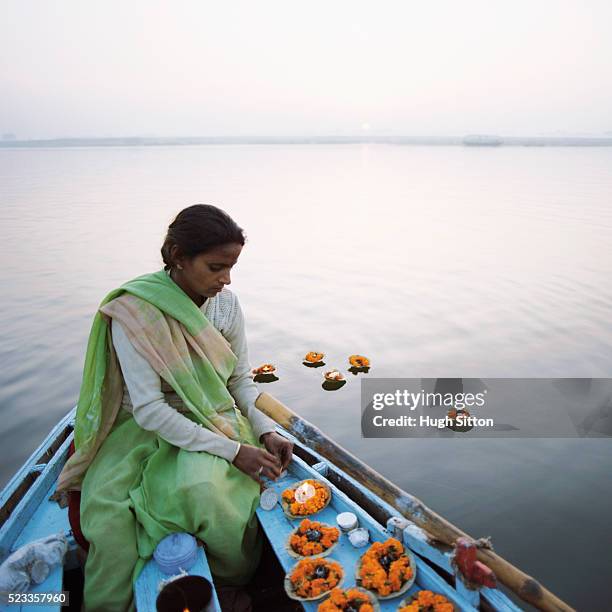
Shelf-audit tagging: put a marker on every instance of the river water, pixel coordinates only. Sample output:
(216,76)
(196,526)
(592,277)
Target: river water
(432,261)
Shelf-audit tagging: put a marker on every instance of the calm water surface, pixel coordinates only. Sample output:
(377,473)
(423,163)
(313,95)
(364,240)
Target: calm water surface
(433,261)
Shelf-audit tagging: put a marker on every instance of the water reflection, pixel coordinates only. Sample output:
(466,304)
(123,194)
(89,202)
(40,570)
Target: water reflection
(318,364)
(469,265)
(329,385)
(265,378)
(591,404)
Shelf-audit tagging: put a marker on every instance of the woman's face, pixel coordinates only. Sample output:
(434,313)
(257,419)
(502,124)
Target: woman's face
(206,274)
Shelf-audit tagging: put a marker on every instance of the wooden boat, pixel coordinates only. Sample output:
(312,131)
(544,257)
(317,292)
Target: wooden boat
(27,513)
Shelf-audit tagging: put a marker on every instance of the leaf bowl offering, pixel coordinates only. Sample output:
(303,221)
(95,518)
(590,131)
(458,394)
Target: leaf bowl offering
(352,598)
(311,579)
(425,601)
(305,498)
(313,357)
(334,376)
(266,368)
(386,568)
(359,361)
(312,540)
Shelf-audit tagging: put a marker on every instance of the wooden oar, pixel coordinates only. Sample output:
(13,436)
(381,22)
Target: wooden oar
(526,587)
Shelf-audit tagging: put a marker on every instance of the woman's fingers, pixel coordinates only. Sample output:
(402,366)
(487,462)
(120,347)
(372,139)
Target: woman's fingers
(280,447)
(268,473)
(272,468)
(286,452)
(270,460)
(271,465)
(269,456)
(257,462)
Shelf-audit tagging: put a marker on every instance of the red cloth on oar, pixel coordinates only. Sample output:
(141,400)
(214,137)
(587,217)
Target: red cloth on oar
(472,569)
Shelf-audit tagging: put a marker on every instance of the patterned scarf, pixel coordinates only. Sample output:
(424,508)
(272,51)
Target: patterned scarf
(168,329)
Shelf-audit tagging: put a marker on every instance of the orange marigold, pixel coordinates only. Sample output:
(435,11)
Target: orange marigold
(426,601)
(313,538)
(341,600)
(266,368)
(359,361)
(313,357)
(313,505)
(313,577)
(385,567)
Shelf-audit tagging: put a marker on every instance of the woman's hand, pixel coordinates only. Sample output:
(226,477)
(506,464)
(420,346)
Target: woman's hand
(280,447)
(256,462)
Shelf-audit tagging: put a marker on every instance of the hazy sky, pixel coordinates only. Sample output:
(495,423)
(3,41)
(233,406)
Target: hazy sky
(198,68)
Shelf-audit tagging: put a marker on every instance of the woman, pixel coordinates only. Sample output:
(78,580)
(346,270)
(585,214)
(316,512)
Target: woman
(160,444)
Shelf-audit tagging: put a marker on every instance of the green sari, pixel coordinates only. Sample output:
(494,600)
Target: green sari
(136,488)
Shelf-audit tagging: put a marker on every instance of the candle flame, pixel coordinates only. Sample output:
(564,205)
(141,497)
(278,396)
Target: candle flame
(304,492)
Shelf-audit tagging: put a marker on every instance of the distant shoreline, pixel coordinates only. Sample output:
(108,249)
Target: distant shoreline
(489,142)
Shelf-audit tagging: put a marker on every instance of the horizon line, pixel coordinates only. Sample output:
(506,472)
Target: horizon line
(474,139)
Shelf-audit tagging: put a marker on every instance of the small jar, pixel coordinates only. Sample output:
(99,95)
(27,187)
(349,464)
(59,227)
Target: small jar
(176,552)
(359,537)
(347,521)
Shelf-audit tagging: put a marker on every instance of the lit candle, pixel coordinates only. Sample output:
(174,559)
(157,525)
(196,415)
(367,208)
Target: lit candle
(304,492)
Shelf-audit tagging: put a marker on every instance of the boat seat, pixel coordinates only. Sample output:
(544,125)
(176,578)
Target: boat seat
(147,584)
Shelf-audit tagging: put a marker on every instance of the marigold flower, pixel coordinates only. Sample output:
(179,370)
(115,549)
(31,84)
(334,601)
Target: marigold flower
(313,538)
(384,567)
(359,361)
(427,601)
(337,597)
(305,582)
(266,368)
(341,600)
(311,506)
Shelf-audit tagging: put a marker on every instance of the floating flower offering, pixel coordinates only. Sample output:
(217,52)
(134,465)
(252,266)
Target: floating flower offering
(304,498)
(349,599)
(453,412)
(313,578)
(359,361)
(334,376)
(426,601)
(266,368)
(313,538)
(313,357)
(386,569)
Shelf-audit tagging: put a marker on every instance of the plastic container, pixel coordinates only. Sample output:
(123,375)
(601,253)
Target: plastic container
(347,521)
(176,552)
(188,592)
(359,537)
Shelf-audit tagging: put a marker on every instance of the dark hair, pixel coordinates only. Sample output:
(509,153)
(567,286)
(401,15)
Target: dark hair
(198,229)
